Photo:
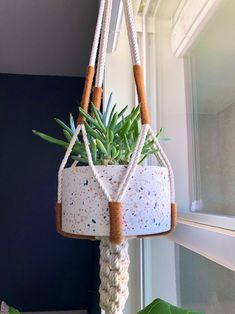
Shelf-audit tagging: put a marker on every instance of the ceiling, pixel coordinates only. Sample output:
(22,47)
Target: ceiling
(213,61)
(46,37)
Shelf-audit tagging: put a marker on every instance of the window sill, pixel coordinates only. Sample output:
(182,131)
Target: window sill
(219,221)
(211,242)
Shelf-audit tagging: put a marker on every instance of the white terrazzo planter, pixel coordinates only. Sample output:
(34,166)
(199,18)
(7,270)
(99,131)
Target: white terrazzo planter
(146,204)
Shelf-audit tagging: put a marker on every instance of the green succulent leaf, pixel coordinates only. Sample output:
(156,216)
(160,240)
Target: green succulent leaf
(72,123)
(67,135)
(90,119)
(112,136)
(111,115)
(106,112)
(92,132)
(101,147)
(98,117)
(121,113)
(51,139)
(64,126)
(114,121)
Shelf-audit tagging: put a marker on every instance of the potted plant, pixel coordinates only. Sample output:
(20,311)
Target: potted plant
(113,138)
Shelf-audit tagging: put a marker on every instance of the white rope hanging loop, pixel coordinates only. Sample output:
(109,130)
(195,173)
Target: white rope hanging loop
(131,31)
(95,44)
(114,259)
(103,44)
(145,129)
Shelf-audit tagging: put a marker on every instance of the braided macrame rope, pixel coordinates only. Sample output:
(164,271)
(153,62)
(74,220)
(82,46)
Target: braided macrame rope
(165,162)
(131,31)
(129,171)
(114,259)
(64,162)
(103,44)
(91,164)
(97,34)
(133,163)
(114,264)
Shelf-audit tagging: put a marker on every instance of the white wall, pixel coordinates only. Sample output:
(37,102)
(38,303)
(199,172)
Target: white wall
(118,74)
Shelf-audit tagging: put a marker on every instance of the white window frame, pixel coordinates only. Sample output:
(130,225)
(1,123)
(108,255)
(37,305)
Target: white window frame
(188,21)
(208,235)
(212,236)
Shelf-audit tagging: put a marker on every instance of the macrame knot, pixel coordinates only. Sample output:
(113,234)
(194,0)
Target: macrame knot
(116,222)
(114,264)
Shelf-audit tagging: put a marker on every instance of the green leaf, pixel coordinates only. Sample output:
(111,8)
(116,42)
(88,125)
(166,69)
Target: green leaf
(111,115)
(114,121)
(67,135)
(72,123)
(159,306)
(64,126)
(93,150)
(114,152)
(122,112)
(98,117)
(51,139)
(126,127)
(134,113)
(101,147)
(106,111)
(12,310)
(80,159)
(110,136)
(127,144)
(142,159)
(136,131)
(93,133)
(92,121)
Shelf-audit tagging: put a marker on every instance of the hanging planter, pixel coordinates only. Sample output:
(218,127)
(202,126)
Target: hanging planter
(146,205)
(113,197)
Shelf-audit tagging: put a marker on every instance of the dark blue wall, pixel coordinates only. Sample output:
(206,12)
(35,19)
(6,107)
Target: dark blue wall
(39,269)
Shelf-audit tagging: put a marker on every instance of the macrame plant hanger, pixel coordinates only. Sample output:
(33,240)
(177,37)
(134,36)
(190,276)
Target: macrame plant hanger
(114,258)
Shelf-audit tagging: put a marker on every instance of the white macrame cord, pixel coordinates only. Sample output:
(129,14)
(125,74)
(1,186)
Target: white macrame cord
(114,259)
(95,44)
(103,44)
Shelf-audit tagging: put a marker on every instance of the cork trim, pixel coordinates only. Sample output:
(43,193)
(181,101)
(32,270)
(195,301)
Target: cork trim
(58,210)
(173,224)
(86,92)
(139,81)
(116,223)
(97,96)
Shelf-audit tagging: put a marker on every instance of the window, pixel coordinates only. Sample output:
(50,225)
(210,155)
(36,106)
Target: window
(211,68)
(205,285)
(188,51)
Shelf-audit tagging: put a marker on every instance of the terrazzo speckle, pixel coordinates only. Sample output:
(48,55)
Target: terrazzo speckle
(146,204)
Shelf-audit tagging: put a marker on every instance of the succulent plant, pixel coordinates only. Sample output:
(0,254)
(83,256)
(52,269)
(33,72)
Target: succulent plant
(112,136)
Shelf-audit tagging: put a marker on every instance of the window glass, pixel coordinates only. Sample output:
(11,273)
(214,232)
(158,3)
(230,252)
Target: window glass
(211,65)
(205,285)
